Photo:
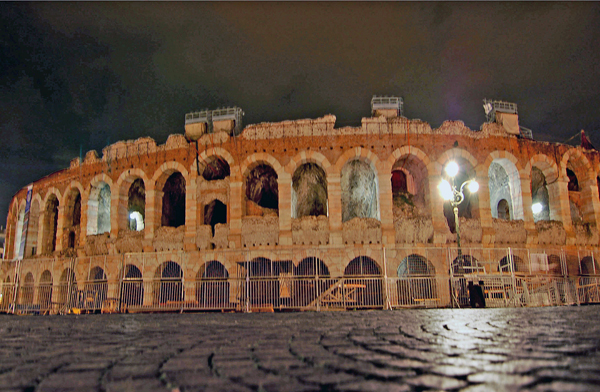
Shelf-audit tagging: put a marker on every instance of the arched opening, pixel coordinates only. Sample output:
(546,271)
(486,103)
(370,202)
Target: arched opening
(360,191)
(28,290)
(67,288)
(311,279)
(309,191)
(216,168)
(169,290)
(505,184)
(363,275)
(461,266)
(32,231)
(19,233)
(588,266)
(72,218)
(539,194)
(99,209)
(214,213)
(212,286)
(132,293)
(416,283)
(173,201)
(503,210)
(136,205)
(469,208)
(410,188)
(264,289)
(45,290)
(262,191)
(574,196)
(95,289)
(8,293)
(50,224)
(518,265)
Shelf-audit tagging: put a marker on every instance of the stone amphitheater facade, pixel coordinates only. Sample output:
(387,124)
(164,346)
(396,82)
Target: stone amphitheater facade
(373,191)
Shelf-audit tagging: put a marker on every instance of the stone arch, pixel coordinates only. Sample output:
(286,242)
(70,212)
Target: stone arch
(131,198)
(19,230)
(576,169)
(309,191)
(360,188)
(410,185)
(96,288)
(416,280)
(214,167)
(262,289)
(504,183)
(212,286)
(215,213)
(132,289)
(518,265)
(67,287)
(260,188)
(365,274)
(50,222)
(469,208)
(219,152)
(98,197)
(31,246)
(308,156)
(168,287)
(27,290)
(45,290)
(170,175)
(72,208)
(588,266)
(312,278)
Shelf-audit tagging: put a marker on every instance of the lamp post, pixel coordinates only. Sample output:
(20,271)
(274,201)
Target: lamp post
(455,196)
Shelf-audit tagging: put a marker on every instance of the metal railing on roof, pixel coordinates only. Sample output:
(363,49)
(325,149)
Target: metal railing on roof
(385,102)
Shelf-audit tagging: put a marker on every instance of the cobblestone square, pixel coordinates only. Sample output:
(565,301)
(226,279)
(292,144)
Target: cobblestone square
(539,349)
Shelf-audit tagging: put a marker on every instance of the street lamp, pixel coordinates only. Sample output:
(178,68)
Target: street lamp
(454,195)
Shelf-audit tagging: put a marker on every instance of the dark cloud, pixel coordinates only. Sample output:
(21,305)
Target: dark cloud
(81,75)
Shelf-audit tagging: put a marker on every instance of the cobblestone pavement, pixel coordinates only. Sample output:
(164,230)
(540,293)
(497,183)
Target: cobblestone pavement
(535,349)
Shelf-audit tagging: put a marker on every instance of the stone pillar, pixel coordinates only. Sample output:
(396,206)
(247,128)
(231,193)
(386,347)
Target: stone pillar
(529,222)
(60,228)
(334,195)
(284,184)
(83,223)
(560,209)
(488,234)
(191,207)
(440,226)
(235,207)
(388,234)
(118,212)
(152,219)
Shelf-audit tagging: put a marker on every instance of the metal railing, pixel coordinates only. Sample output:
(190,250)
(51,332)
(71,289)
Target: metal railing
(507,278)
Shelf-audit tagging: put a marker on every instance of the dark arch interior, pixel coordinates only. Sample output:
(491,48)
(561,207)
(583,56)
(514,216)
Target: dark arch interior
(573,183)
(173,202)
(262,188)
(216,168)
(310,185)
(215,212)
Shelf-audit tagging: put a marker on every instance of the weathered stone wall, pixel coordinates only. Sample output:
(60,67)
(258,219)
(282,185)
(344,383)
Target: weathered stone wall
(550,233)
(510,231)
(310,230)
(362,231)
(260,230)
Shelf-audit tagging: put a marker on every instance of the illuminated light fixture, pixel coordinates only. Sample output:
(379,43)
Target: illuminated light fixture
(473,186)
(452,169)
(132,215)
(537,208)
(446,190)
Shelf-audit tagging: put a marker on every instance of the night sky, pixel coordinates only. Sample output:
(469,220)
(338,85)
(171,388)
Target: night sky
(79,76)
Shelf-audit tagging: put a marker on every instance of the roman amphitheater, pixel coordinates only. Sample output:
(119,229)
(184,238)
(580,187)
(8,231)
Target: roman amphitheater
(304,215)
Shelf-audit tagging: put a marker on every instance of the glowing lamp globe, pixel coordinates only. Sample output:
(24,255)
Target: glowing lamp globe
(536,208)
(451,169)
(446,190)
(473,186)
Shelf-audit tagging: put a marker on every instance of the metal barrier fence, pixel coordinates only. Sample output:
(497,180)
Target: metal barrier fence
(413,278)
